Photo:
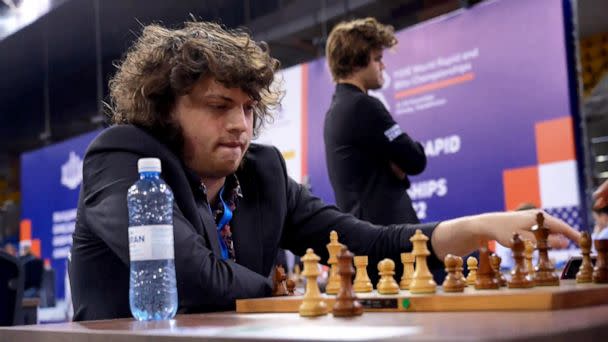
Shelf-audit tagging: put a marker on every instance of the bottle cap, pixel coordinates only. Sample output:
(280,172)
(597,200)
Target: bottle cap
(148,165)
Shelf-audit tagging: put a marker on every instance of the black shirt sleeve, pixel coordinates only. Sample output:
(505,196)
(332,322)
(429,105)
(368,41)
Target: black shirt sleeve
(380,132)
(310,221)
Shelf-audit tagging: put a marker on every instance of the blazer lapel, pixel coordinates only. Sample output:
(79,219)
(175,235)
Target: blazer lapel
(211,230)
(247,228)
(198,205)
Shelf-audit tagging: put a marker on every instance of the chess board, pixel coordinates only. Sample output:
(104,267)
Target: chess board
(567,295)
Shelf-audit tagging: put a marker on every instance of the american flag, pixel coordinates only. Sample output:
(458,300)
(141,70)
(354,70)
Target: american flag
(571,215)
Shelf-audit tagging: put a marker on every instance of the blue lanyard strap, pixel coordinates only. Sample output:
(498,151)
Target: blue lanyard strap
(226,217)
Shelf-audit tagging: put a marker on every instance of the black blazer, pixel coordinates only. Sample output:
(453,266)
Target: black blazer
(359,152)
(274,212)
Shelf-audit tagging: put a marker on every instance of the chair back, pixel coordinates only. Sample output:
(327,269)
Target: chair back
(33,269)
(11,289)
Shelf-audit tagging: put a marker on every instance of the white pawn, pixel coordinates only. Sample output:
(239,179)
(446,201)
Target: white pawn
(472,266)
(528,254)
(387,284)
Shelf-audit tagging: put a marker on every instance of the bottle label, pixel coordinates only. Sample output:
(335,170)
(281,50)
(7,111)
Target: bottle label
(152,242)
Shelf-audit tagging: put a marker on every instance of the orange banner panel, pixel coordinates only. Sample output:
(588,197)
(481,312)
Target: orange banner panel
(520,186)
(554,140)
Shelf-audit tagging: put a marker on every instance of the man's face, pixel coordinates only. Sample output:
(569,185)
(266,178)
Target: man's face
(217,125)
(371,75)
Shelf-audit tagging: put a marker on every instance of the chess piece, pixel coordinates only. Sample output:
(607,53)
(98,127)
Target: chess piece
(585,272)
(346,304)
(296,275)
(362,282)
(408,270)
(519,277)
(422,281)
(528,253)
(495,262)
(600,271)
(333,247)
(472,266)
(485,275)
(544,270)
(387,284)
(452,282)
(291,287)
(279,287)
(312,302)
(459,270)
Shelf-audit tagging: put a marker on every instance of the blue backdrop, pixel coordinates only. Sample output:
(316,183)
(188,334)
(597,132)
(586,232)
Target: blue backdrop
(50,182)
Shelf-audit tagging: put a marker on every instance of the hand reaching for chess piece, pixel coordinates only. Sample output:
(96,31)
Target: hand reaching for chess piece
(454,236)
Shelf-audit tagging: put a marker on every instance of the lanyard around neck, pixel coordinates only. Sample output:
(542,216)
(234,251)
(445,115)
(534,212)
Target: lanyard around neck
(226,217)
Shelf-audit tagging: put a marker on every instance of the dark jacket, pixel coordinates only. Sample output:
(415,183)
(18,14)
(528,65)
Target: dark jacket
(274,212)
(361,140)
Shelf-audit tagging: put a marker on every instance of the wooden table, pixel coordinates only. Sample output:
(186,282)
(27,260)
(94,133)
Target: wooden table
(590,323)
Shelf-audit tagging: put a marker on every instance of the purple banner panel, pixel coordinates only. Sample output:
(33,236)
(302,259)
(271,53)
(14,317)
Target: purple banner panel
(472,86)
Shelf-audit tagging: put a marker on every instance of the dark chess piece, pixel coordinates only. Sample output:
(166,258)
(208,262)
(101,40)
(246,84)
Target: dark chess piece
(291,287)
(346,301)
(544,270)
(279,288)
(495,261)
(485,274)
(520,279)
(453,281)
(585,271)
(600,271)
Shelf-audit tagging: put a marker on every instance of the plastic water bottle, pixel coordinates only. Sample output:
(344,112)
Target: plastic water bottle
(152,291)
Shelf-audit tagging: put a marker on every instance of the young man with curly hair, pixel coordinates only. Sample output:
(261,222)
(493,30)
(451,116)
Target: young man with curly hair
(194,98)
(368,155)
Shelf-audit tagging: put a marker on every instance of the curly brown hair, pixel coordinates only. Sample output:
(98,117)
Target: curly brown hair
(350,43)
(166,63)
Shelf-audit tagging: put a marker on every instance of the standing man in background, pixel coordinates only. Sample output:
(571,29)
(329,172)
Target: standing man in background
(368,156)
